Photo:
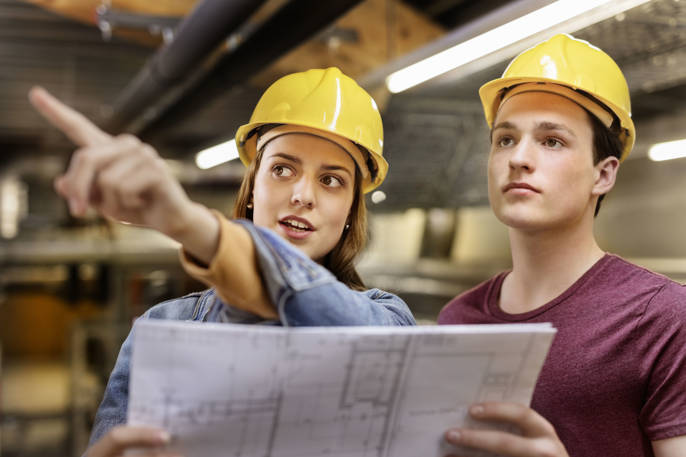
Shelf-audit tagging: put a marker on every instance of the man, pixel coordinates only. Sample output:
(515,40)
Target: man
(614,382)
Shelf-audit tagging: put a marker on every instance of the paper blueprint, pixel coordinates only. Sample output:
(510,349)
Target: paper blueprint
(229,390)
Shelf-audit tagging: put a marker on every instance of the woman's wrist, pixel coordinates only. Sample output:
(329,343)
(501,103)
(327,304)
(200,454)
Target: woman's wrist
(198,233)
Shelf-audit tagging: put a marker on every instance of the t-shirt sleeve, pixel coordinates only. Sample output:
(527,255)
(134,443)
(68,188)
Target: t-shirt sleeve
(233,271)
(662,336)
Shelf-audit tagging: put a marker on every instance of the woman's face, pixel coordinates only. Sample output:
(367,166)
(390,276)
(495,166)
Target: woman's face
(304,189)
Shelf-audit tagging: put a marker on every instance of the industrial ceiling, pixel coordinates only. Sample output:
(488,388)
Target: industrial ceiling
(92,54)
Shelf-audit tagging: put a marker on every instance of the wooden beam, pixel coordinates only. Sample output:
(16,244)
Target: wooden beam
(385,29)
(84,10)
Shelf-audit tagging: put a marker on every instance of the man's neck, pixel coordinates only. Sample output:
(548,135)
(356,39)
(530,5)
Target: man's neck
(545,264)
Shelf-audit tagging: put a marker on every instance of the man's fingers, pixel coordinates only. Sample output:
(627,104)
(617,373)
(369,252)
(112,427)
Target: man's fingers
(72,123)
(526,419)
(501,443)
(538,435)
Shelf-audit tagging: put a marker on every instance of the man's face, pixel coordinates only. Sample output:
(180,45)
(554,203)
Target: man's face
(540,169)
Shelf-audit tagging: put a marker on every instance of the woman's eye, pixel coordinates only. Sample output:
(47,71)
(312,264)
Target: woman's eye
(282,171)
(332,181)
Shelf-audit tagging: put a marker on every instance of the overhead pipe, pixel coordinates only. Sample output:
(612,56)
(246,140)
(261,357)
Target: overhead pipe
(200,33)
(294,23)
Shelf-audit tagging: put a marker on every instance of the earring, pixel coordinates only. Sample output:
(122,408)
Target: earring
(249,205)
(347,226)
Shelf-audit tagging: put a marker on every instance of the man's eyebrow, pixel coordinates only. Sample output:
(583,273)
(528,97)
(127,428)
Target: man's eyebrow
(504,125)
(554,126)
(546,125)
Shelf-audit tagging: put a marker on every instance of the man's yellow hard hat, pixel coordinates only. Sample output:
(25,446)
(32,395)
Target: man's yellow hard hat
(322,102)
(573,68)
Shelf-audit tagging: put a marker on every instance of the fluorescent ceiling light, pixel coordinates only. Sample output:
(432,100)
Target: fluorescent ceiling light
(667,151)
(215,155)
(571,15)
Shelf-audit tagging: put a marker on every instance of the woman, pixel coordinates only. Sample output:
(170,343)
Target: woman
(313,148)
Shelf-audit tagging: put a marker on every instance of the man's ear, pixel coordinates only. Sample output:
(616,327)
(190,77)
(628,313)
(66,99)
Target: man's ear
(605,175)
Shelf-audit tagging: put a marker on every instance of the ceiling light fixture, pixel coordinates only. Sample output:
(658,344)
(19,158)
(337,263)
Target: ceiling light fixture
(560,16)
(216,155)
(667,151)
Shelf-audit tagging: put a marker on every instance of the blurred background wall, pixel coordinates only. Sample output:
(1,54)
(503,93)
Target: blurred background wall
(69,289)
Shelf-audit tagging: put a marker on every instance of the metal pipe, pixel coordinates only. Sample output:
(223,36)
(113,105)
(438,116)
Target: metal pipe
(292,24)
(210,22)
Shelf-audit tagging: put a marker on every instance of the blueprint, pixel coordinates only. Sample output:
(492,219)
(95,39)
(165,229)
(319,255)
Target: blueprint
(230,390)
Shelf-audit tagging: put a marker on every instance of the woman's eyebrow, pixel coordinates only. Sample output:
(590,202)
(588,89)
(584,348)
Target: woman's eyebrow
(337,168)
(299,161)
(283,155)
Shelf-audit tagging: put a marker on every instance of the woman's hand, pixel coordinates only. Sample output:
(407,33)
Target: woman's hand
(126,180)
(537,439)
(146,440)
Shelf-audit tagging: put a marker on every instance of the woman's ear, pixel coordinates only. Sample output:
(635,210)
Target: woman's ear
(605,175)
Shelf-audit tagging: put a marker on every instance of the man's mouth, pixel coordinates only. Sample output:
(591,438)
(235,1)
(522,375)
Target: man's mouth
(520,185)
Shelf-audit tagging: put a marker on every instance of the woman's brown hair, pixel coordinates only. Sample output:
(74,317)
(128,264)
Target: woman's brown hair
(340,261)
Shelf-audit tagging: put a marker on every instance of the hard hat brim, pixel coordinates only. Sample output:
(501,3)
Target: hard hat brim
(491,98)
(246,143)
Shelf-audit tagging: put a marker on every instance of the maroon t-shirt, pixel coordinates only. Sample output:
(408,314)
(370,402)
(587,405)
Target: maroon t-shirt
(615,376)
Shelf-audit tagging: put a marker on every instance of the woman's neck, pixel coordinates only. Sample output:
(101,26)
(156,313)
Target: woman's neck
(545,264)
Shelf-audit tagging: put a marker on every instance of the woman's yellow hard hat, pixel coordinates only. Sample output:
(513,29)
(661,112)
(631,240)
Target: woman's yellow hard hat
(325,101)
(573,68)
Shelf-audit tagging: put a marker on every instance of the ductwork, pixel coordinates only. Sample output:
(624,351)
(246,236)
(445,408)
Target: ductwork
(294,23)
(210,22)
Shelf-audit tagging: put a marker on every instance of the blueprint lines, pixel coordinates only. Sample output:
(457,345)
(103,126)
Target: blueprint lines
(252,391)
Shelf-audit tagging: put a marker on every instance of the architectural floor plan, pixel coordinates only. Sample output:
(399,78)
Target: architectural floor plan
(251,391)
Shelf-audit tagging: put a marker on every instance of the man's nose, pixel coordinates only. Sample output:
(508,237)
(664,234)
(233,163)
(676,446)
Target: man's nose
(523,155)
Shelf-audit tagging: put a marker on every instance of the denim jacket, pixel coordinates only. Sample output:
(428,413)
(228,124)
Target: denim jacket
(305,294)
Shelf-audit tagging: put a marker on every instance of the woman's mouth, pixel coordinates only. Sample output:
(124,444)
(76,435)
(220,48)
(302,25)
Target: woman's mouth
(296,227)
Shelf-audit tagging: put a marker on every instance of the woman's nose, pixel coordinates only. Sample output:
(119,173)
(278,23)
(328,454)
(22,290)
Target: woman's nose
(303,193)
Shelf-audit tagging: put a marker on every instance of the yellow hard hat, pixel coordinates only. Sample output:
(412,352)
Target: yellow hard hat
(573,68)
(328,102)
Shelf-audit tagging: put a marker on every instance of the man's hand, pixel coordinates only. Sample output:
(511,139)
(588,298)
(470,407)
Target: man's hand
(126,180)
(146,441)
(538,438)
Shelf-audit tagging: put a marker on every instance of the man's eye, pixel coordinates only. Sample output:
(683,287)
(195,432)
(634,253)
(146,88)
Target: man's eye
(553,143)
(505,141)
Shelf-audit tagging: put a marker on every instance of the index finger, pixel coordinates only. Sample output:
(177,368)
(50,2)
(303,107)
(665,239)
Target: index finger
(72,123)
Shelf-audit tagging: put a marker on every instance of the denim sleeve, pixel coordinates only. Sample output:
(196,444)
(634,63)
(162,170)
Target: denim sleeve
(112,409)
(307,294)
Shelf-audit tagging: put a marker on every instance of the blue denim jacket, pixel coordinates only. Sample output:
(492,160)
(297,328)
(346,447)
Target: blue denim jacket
(305,294)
